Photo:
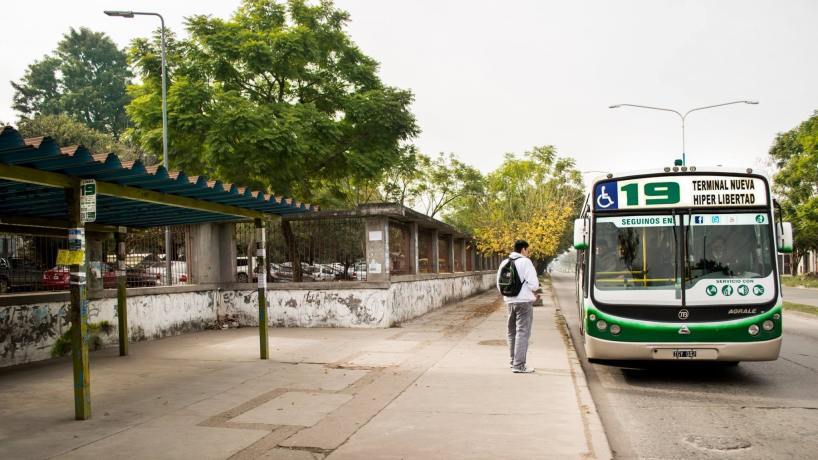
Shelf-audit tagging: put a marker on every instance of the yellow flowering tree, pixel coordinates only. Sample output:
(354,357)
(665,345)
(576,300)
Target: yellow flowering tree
(534,198)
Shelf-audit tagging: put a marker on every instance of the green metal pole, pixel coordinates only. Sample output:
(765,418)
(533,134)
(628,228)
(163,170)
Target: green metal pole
(261,262)
(121,298)
(79,309)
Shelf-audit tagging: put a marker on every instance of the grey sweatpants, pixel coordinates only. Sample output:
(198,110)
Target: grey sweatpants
(519,330)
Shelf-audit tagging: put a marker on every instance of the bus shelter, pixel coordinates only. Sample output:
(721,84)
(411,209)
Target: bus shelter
(43,184)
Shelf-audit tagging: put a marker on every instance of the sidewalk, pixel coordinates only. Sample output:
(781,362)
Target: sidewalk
(438,387)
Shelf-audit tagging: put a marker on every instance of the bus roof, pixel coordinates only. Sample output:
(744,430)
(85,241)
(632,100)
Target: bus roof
(677,170)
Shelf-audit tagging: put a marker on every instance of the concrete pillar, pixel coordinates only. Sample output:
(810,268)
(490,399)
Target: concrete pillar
(227,252)
(435,252)
(212,257)
(451,253)
(377,248)
(95,271)
(121,297)
(462,255)
(79,307)
(413,248)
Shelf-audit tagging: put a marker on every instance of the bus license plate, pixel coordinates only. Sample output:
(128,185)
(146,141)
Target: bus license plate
(686,353)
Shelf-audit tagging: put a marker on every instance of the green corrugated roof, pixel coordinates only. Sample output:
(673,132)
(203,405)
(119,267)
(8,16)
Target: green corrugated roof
(41,201)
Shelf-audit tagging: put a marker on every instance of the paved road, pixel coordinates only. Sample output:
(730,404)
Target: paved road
(806,296)
(755,410)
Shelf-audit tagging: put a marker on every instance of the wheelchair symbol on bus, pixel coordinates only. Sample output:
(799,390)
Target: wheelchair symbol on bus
(603,199)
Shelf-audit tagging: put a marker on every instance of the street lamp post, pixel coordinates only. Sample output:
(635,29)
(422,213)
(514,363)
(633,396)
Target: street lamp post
(165,161)
(683,117)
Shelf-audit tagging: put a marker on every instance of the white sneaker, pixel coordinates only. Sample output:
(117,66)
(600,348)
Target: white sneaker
(524,370)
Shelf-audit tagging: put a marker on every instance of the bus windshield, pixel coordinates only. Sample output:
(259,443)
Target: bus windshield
(729,258)
(635,259)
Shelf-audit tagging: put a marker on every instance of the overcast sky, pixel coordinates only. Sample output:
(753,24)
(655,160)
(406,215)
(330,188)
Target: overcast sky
(496,77)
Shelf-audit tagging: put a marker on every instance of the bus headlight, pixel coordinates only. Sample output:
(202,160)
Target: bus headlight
(753,330)
(592,317)
(615,329)
(768,325)
(602,325)
(776,316)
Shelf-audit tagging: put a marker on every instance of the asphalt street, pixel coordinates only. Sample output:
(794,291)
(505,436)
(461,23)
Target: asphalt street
(806,296)
(687,410)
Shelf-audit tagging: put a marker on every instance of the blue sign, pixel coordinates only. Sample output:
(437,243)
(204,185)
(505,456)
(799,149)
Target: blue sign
(606,196)
(698,219)
(715,219)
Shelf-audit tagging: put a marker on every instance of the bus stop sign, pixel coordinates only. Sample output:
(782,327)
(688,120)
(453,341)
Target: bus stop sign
(88,200)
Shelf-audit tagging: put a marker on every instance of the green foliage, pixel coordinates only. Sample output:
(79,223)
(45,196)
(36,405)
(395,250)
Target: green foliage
(67,131)
(85,78)
(62,346)
(533,198)
(445,181)
(398,183)
(276,97)
(795,154)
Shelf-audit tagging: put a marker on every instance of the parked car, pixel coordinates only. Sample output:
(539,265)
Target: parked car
(58,277)
(157,267)
(18,274)
(324,273)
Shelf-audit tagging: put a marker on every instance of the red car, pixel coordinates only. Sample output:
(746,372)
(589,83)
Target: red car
(57,278)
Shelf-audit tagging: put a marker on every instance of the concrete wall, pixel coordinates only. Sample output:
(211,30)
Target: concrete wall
(28,331)
(405,298)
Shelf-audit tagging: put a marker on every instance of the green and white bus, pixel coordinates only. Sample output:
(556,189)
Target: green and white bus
(680,264)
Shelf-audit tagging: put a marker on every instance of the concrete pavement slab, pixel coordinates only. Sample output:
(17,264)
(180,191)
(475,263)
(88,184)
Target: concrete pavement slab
(436,387)
(294,408)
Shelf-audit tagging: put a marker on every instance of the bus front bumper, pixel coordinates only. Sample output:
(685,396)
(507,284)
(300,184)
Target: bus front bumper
(767,350)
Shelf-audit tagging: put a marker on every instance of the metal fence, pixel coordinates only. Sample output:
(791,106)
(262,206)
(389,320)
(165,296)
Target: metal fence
(29,262)
(325,250)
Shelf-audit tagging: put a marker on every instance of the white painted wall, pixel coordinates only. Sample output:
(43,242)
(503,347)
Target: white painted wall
(28,332)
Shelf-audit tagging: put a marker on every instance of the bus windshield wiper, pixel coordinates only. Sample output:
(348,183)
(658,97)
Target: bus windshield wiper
(676,248)
(684,253)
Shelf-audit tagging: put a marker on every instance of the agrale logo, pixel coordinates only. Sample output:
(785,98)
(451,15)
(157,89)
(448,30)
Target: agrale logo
(742,311)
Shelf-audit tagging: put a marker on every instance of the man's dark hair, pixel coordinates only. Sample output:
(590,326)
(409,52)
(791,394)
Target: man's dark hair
(519,245)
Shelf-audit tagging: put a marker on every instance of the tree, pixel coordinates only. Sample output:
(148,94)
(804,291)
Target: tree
(399,183)
(795,154)
(534,198)
(445,180)
(85,78)
(67,131)
(276,97)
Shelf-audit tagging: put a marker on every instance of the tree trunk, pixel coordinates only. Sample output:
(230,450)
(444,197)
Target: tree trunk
(292,248)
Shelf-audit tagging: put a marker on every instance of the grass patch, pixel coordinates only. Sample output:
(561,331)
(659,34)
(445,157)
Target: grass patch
(800,280)
(801,307)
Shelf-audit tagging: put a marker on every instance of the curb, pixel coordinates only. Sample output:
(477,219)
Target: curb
(597,439)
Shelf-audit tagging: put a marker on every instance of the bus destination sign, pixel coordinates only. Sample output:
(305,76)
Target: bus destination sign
(680,191)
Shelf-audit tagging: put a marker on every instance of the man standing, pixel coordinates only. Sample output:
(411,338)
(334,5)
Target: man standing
(521,306)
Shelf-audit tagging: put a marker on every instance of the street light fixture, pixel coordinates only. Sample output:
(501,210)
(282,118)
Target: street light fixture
(683,117)
(131,14)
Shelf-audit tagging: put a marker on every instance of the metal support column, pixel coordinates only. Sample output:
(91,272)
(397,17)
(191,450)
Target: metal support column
(79,308)
(261,263)
(121,298)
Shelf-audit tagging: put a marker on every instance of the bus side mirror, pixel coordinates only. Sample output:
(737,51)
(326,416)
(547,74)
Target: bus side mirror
(785,238)
(580,234)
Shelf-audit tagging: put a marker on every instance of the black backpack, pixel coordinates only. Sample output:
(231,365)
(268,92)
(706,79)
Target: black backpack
(509,282)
